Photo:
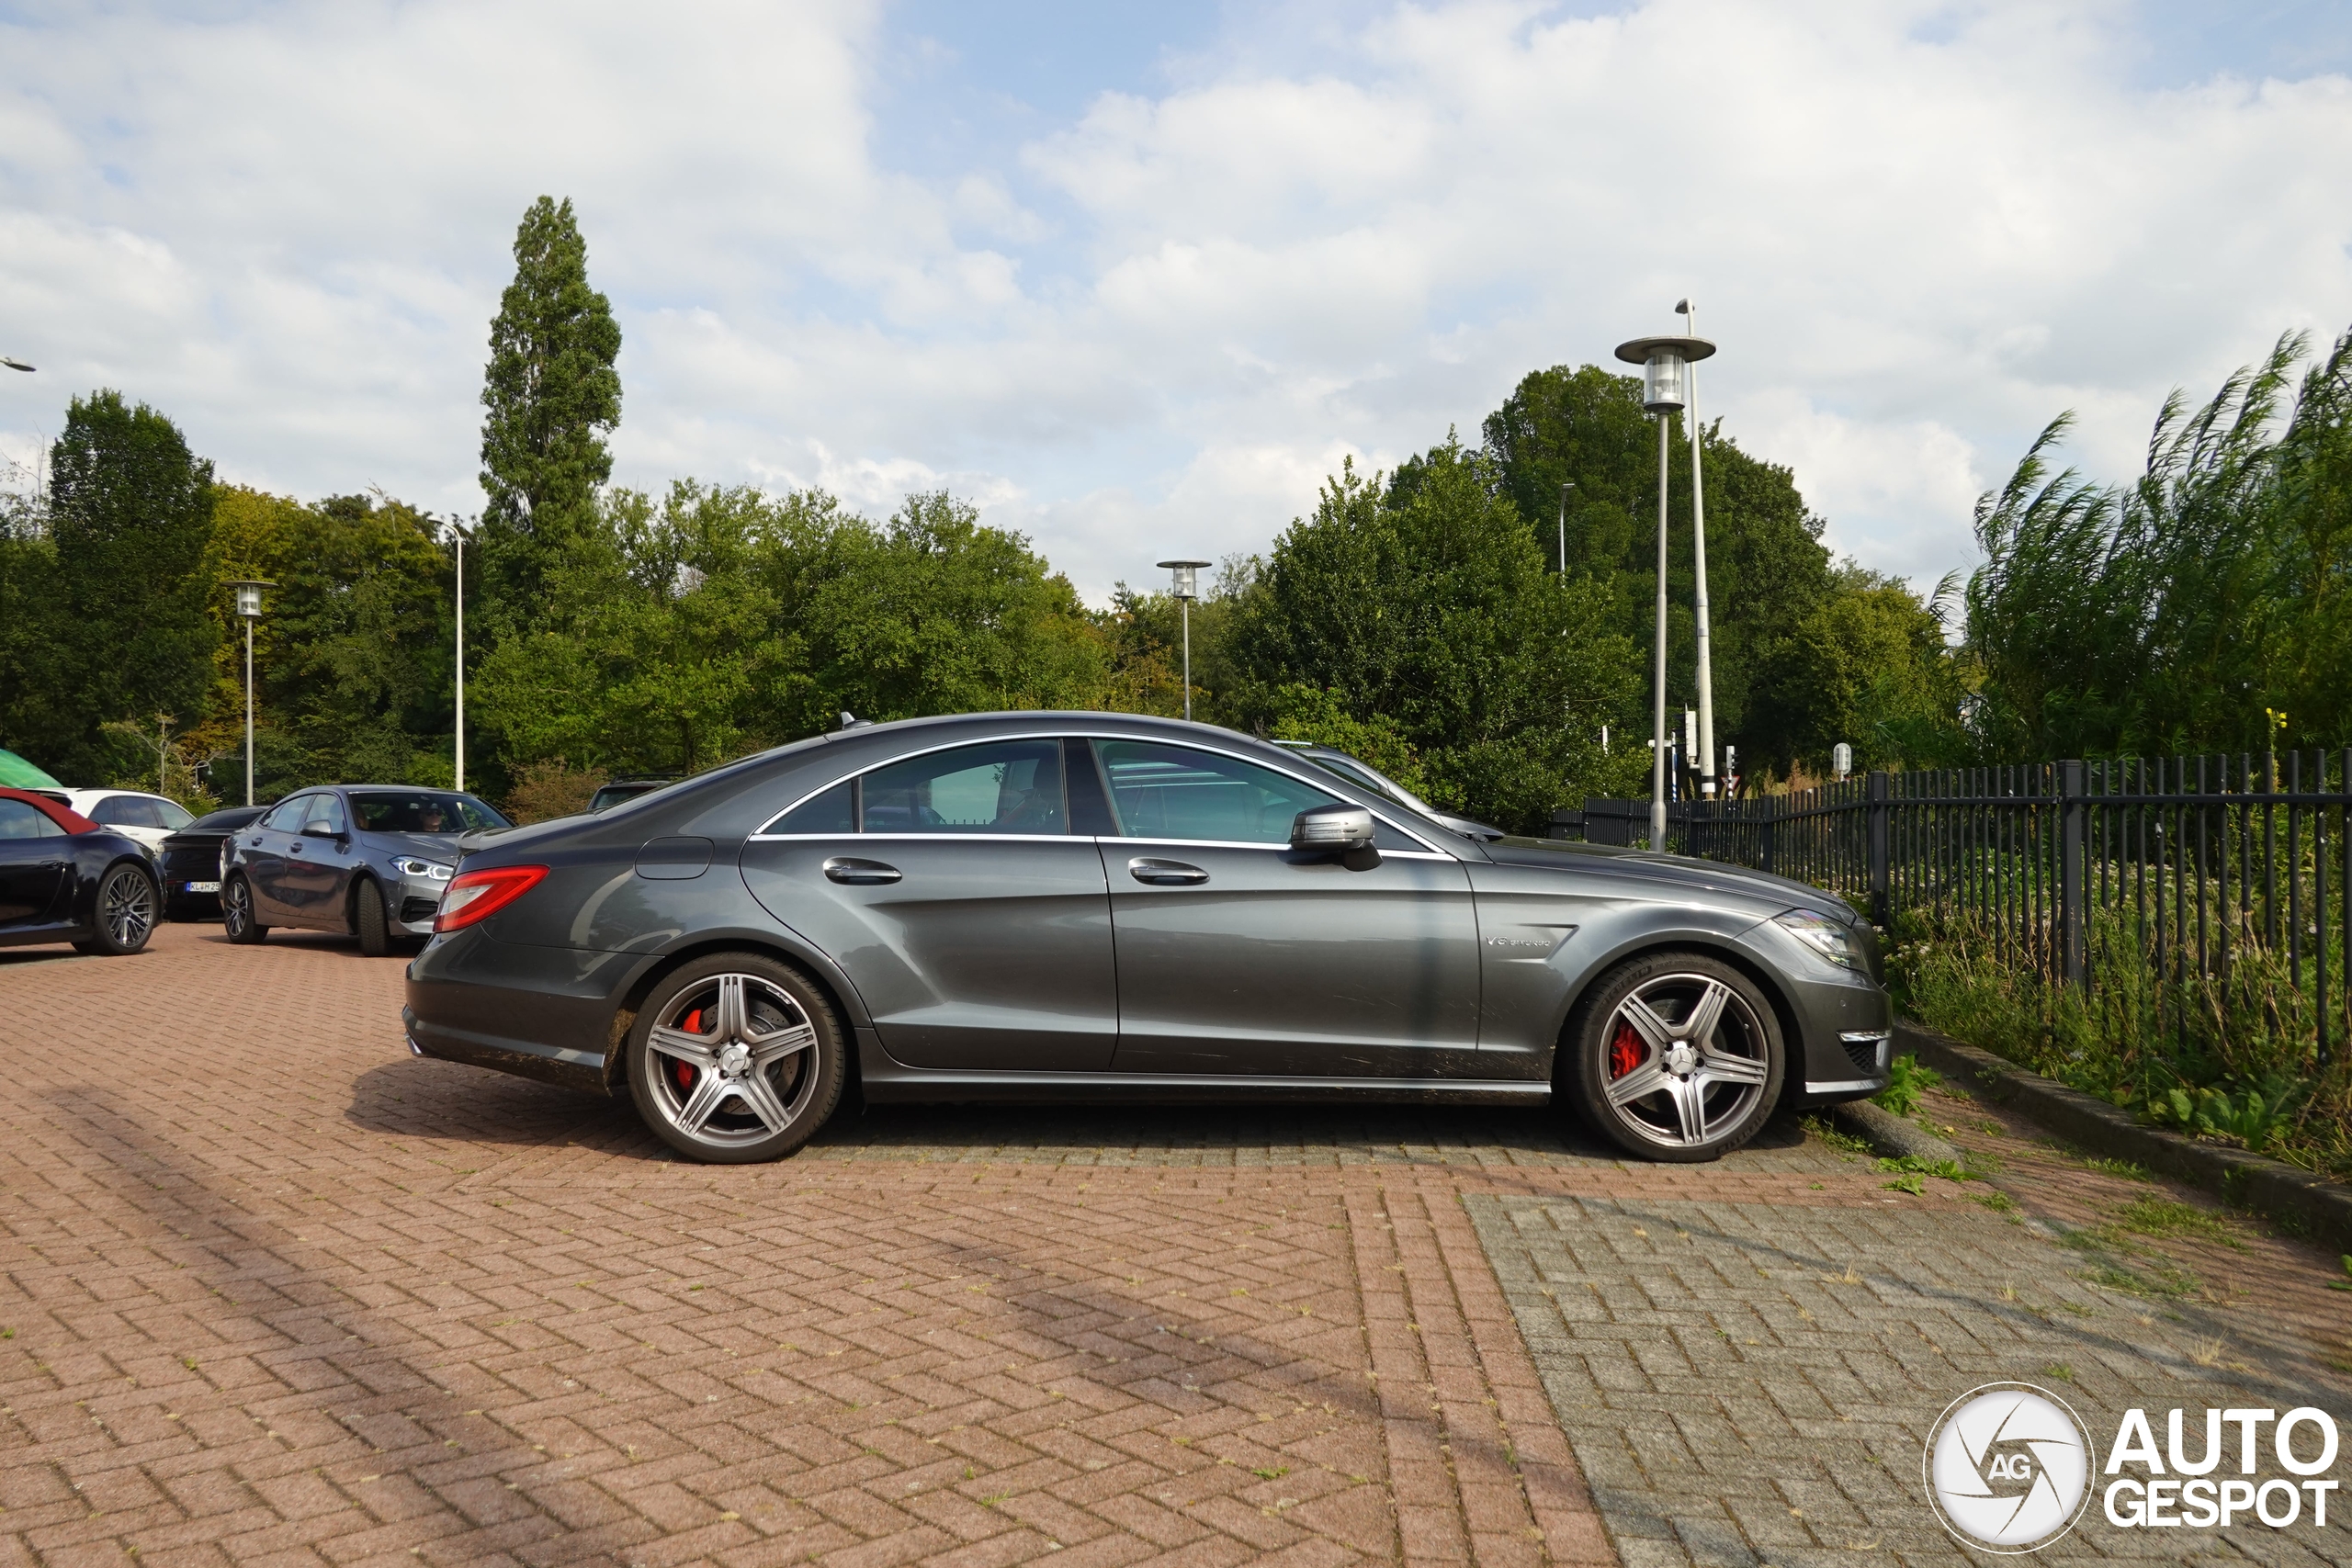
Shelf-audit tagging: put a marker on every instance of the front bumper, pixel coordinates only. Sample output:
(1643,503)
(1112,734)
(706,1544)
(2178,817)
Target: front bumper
(1848,1032)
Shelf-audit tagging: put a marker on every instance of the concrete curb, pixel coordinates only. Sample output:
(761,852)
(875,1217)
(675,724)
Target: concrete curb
(1890,1135)
(2321,1209)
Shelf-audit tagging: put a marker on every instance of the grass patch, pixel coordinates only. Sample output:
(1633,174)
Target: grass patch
(2129,1169)
(2166,1217)
(1950,1170)
(1844,1142)
(1998,1201)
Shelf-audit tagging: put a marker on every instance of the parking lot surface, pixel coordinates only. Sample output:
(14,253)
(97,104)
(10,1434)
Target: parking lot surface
(275,1290)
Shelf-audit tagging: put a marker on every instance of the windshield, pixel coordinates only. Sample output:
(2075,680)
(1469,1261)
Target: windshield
(423,811)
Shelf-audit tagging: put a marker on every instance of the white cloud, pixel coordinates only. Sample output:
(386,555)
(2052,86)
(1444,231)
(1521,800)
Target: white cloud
(1918,231)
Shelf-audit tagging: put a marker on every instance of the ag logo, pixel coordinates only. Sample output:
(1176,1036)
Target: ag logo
(2009,1468)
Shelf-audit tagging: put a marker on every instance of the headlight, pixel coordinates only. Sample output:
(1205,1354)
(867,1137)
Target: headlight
(424,870)
(1826,939)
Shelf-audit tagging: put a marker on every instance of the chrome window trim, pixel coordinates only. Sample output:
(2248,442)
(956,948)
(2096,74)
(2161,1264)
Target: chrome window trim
(1428,850)
(1845,1086)
(927,837)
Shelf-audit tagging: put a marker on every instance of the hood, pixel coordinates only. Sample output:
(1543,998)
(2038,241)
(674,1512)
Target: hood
(1710,876)
(442,847)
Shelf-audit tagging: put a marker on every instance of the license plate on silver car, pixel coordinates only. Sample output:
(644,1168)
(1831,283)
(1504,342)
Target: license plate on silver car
(200,887)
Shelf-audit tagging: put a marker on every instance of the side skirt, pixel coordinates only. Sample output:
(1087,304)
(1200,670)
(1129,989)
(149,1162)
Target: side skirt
(900,1084)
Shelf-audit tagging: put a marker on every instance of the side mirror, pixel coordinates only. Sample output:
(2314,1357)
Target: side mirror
(1343,829)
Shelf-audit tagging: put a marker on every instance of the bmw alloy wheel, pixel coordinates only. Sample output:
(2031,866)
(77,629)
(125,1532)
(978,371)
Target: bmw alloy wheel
(731,1063)
(127,909)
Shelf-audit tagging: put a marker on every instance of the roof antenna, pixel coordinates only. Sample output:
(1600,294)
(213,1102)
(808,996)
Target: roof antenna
(850,720)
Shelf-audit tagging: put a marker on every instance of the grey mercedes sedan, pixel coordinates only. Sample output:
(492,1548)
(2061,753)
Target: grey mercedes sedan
(1072,906)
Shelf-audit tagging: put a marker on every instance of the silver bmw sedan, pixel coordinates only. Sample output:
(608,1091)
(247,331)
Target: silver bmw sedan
(1073,906)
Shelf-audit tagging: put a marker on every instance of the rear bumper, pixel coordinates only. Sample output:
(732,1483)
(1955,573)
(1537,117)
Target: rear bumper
(544,1013)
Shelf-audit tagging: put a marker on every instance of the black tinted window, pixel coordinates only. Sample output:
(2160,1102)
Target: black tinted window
(423,811)
(1174,791)
(19,820)
(125,811)
(835,811)
(999,786)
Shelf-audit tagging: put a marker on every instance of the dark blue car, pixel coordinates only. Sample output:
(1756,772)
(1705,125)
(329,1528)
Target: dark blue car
(372,860)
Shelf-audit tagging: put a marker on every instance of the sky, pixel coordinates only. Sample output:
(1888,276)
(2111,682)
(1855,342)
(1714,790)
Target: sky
(1133,278)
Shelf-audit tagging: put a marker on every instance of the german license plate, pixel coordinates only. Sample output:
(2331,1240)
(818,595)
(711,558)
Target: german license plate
(200,887)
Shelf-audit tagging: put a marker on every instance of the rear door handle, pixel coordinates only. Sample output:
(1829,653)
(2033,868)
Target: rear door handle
(858,873)
(1165,873)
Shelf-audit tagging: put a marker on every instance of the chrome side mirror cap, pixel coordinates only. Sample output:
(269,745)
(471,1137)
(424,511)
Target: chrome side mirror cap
(1345,830)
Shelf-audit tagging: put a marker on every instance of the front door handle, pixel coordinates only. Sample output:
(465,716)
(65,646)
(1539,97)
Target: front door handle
(1165,873)
(855,873)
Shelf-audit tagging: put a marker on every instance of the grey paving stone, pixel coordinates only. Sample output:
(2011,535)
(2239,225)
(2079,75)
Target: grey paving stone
(1716,1365)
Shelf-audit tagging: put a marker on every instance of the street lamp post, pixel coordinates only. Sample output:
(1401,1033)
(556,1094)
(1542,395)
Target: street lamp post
(1706,758)
(1187,589)
(1566,486)
(1665,363)
(249,611)
(462,536)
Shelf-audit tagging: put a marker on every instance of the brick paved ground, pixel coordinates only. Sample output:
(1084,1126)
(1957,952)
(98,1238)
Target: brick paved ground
(272,1289)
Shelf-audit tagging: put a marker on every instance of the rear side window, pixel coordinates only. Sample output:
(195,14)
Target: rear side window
(834,811)
(125,811)
(285,817)
(19,820)
(999,786)
(325,815)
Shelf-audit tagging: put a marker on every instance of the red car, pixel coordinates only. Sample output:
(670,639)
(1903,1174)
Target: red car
(64,878)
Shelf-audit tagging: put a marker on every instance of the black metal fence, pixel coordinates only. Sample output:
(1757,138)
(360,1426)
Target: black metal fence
(2194,862)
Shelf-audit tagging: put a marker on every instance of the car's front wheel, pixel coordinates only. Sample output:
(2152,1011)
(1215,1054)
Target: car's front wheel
(736,1058)
(237,912)
(1677,1056)
(127,904)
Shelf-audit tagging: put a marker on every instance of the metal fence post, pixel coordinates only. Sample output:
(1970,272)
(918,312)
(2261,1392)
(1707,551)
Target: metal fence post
(1880,811)
(2074,882)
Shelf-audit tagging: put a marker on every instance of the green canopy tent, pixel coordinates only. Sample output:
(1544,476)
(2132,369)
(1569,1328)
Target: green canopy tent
(17,774)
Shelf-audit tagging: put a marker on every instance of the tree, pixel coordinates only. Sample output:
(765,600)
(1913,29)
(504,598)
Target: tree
(1424,606)
(130,514)
(1768,571)
(552,396)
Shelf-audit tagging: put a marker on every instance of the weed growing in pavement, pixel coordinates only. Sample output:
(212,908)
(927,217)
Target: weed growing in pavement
(1950,1170)
(2342,1284)
(1844,1142)
(2165,1217)
(2129,1169)
(1907,1081)
(1998,1201)
(1911,1184)
(2060,1370)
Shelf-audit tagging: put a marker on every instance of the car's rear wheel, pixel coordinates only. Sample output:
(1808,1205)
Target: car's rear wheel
(368,919)
(237,912)
(1677,1056)
(127,904)
(736,1058)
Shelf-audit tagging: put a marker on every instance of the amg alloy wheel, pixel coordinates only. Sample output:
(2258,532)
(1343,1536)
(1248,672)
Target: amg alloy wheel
(735,1058)
(1678,1057)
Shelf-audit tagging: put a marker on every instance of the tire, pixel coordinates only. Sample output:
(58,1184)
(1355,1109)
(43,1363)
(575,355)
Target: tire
(1657,1091)
(736,1058)
(237,913)
(129,901)
(368,918)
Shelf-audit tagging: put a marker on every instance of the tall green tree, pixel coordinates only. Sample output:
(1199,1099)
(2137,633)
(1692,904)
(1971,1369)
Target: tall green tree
(124,633)
(1424,611)
(552,396)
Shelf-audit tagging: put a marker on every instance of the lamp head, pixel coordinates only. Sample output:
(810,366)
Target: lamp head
(1186,581)
(249,596)
(1665,389)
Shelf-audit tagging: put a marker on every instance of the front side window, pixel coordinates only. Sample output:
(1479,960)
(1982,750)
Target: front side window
(999,786)
(1174,791)
(19,820)
(423,811)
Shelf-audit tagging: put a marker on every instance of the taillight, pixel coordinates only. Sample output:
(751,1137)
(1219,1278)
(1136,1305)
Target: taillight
(478,894)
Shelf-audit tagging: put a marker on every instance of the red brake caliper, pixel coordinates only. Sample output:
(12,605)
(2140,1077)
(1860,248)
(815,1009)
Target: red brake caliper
(1624,1051)
(685,1071)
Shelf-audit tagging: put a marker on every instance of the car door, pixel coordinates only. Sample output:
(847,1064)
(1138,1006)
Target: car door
(1239,955)
(267,849)
(949,887)
(318,863)
(33,853)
